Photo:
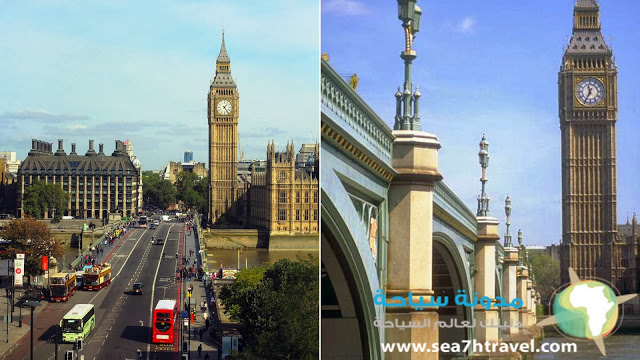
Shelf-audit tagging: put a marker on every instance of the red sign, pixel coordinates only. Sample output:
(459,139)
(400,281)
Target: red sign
(18,271)
(45,263)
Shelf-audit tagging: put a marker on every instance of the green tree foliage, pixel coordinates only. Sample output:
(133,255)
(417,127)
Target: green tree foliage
(41,197)
(157,192)
(192,190)
(546,272)
(34,239)
(278,306)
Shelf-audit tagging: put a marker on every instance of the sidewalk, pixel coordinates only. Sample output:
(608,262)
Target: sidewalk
(15,331)
(200,294)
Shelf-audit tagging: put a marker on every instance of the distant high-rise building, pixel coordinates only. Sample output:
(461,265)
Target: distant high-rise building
(10,161)
(188,156)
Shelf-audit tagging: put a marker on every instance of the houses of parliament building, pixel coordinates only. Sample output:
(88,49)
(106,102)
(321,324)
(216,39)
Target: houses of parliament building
(281,197)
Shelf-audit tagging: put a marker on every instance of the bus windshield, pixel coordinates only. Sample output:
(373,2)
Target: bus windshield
(71,325)
(163,326)
(58,290)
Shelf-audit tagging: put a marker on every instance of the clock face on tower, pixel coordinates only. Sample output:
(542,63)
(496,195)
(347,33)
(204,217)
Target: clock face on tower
(224,107)
(590,91)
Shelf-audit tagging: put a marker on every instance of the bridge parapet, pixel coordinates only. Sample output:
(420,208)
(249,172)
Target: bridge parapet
(349,121)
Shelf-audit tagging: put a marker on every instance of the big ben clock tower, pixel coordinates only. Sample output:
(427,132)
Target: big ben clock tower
(588,109)
(223,140)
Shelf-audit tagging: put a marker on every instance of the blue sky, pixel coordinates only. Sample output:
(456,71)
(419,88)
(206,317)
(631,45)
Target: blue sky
(491,67)
(108,70)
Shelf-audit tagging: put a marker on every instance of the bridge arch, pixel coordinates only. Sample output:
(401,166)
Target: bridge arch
(450,275)
(347,307)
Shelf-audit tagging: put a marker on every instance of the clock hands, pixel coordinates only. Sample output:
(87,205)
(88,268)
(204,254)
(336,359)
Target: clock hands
(590,91)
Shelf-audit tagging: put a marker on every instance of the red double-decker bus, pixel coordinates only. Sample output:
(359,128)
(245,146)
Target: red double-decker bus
(97,276)
(165,316)
(63,285)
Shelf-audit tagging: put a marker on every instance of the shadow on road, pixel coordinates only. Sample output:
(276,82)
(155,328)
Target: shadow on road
(49,335)
(136,333)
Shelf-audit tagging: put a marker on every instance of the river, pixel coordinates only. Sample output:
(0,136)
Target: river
(254,257)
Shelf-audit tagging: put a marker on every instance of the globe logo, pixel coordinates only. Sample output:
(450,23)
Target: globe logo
(588,309)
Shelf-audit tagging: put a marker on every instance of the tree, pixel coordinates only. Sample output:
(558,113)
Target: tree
(157,192)
(279,310)
(41,197)
(34,239)
(193,190)
(546,272)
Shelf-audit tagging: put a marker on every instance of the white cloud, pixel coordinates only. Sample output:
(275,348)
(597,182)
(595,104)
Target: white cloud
(344,7)
(466,25)
(77,127)
(40,115)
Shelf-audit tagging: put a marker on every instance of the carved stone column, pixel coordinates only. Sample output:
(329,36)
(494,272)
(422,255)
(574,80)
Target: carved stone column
(410,252)
(485,279)
(509,285)
(530,305)
(523,276)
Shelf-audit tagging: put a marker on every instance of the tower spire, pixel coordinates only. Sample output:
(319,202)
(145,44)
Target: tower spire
(223,56)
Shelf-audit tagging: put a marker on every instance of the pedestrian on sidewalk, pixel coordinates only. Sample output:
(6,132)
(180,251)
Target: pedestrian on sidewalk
(205,315)
(201,332)
(206,356)
(207,323)
(195,332)
(200,350)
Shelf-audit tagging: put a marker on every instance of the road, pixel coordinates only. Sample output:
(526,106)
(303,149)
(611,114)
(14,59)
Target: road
(122,319)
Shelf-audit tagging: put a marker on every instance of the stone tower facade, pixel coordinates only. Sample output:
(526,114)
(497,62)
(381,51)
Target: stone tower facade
(223,142)
(588,109)
(284,198)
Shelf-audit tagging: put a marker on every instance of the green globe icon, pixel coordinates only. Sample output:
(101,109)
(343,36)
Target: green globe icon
(587,309)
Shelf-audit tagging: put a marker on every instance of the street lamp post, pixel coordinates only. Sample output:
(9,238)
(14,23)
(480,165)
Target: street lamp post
(407,115)
(32,305)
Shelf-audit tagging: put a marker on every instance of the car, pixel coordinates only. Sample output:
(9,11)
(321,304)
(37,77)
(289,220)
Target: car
(137,288)
(159,241)
(152,226)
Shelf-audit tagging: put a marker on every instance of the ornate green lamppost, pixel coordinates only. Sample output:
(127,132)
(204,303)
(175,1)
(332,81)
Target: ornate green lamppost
(407,116)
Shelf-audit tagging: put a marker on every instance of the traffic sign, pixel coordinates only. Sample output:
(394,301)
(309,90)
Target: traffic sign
(18,271)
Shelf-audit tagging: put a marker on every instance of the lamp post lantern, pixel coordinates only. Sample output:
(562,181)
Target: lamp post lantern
(407,116)
(483,199)
(507,211)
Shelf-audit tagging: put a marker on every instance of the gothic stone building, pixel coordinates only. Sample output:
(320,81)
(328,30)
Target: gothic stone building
(588,111)
(97,184)
(282,198)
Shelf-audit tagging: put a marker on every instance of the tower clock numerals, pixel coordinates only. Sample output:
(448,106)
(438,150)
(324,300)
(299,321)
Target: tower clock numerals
(224,107)
(590,91)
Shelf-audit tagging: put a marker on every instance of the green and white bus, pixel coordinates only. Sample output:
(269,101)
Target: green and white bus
(78,323)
